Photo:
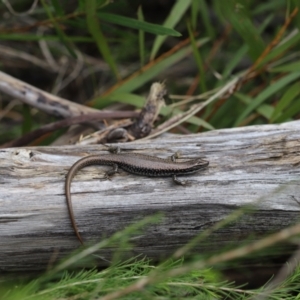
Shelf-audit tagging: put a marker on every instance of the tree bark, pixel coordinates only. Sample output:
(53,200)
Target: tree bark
(257,166)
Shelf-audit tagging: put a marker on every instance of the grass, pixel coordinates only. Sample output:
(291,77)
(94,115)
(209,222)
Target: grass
(139,278)
(249,49)
(255,42)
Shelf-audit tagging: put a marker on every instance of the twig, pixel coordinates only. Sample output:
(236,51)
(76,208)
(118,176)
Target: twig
(29,137)
(112,133)
(10,52)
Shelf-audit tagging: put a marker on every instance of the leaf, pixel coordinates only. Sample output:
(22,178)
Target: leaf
(292,67)
(236,12)
(195,11)
(265,110)
(235,60)
(34,37)
(57,7)
(176,13)
(141,37)
(292,92)
(144,76)
(205,11)
(96,32)
(63,37)
(138,24)
(139,101)
(264,95)
(291,111)
(123,97)
(281,48)
(241,52)
(198,59)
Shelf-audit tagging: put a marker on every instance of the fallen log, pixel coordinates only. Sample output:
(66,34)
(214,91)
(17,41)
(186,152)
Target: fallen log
(257,165)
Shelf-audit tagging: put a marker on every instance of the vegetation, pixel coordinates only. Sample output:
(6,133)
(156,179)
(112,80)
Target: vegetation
(226,64)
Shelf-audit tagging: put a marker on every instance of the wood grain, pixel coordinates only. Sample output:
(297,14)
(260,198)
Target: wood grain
(256,165)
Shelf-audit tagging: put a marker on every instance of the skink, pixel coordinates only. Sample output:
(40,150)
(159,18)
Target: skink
(135,163)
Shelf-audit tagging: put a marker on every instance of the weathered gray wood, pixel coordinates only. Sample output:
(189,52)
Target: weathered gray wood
(252,164)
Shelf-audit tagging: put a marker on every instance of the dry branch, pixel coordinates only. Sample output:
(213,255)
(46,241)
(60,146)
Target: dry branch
(44,101)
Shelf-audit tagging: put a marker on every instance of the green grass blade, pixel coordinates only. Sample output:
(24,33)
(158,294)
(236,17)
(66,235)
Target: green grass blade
(236,59)
(27,119)
(96,32)
(140,16)
(292,110)
(291,67)
(65,40)
(282,48)
(265,110)
(132,84)
(291,93)
(34,37)
(267,6)
(174,17)
(205,17)
(57,8)
(265,94)
(170,112)
(139,101)
(138,24)
(121,97)
(200,122)
(241,52)
(195,8)
(198,58)
(237,13)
